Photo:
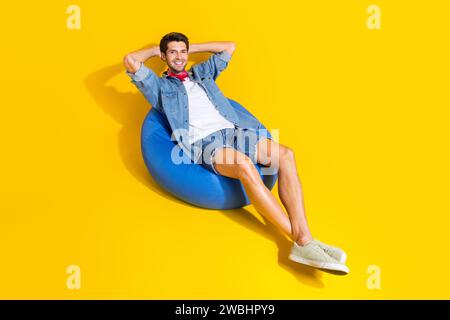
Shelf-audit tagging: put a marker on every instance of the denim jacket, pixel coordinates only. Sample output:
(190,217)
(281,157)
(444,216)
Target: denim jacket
(168,96)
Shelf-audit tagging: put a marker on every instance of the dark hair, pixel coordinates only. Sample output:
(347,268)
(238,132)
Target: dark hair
(173,36)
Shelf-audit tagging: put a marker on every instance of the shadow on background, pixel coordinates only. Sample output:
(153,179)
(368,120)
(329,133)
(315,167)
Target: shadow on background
(305,274)
(130,109)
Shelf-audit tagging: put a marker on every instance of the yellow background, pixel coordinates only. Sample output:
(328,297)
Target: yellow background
(366,112)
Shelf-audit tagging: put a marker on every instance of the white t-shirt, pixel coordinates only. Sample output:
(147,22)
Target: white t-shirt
(204,118)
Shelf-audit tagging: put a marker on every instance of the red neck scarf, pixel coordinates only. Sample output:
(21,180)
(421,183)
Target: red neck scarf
(182,75)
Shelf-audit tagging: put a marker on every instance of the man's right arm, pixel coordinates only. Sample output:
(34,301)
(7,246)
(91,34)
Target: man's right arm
(142,77)
(132,61)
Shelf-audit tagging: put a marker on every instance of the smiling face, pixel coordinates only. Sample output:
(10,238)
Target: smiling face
(176,56)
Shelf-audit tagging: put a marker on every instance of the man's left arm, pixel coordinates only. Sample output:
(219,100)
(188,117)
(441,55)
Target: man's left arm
(214,47)
(223,50)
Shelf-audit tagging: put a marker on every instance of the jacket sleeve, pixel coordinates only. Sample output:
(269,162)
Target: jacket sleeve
(148,84)
(214,65)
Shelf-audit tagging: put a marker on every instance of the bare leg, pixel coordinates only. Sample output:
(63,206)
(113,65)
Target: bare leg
(289,186)
(231,163)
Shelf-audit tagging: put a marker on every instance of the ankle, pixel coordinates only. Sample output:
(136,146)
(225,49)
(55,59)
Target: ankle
(302,241)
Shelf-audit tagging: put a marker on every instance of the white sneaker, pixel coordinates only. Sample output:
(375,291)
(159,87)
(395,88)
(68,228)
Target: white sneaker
(313,255)
(334,252)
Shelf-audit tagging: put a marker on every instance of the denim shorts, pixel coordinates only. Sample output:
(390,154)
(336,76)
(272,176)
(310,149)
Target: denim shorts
(243,140)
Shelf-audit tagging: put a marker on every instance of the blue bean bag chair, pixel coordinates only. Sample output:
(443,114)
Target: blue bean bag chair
(190,182)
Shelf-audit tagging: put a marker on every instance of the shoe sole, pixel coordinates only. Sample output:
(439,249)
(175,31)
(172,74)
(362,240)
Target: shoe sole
(321,265)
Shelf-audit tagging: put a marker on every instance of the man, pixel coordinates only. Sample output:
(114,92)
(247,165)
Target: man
(193,104)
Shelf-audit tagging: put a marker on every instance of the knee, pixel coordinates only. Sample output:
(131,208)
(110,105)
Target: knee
(247,170)
(286,153)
